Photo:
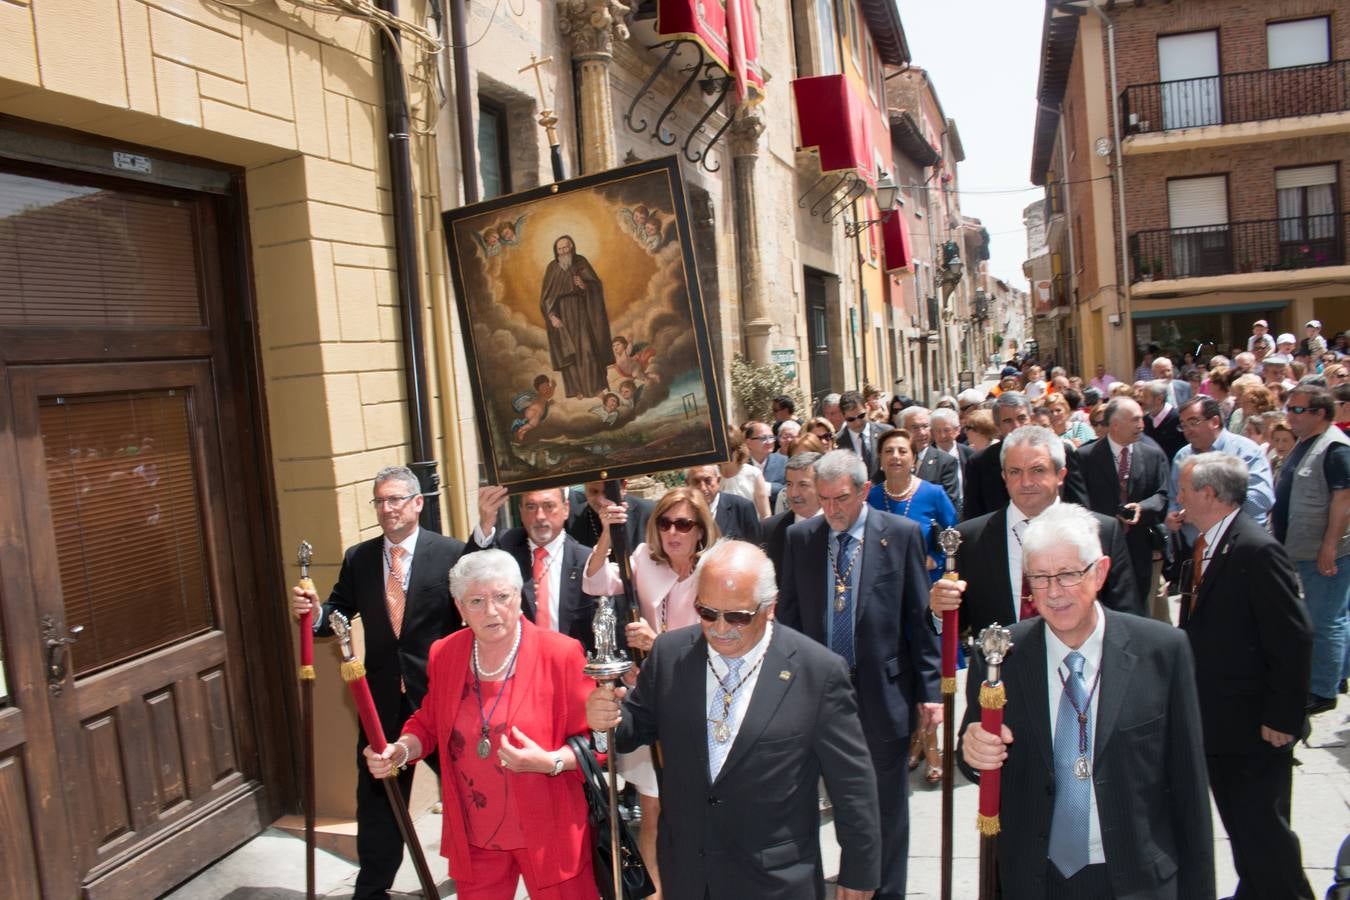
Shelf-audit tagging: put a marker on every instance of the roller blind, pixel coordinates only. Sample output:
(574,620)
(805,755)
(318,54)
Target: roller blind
(1194,202)
(83,256)
(123,494)
(1305,176)
(1300,43)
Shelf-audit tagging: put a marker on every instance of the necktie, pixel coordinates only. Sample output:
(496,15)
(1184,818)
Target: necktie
(394,597)
(1197,575)
(1124,472)
(721,712)
(1026,607)
(841,620)
(542,615)
(1069,822)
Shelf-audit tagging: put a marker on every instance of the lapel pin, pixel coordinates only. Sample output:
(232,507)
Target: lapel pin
(572,575)
(885,543)
(785,675)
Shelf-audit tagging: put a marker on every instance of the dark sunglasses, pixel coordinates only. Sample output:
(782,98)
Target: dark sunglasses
(683,526)
(861,415)
(734,617)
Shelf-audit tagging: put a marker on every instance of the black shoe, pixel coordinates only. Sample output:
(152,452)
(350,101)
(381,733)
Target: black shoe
(1318,704)
(1340,686)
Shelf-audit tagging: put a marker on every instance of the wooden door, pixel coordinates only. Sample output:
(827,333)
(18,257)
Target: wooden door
(129,759)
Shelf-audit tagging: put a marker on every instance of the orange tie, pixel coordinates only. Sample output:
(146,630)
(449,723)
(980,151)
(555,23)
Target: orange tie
(1198,573)
(394,596)
(541,594)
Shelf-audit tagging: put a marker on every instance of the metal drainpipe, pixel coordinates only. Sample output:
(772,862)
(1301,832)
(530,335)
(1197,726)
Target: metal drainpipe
(459,57)
(1123,282)
(408,270)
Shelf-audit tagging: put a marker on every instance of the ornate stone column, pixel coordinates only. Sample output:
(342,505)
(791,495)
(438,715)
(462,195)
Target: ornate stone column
(755,322)
(591,27)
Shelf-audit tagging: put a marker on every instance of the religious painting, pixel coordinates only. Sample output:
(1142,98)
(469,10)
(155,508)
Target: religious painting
(584,328)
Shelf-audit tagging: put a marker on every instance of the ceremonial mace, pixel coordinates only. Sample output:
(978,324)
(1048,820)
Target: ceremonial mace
(995,642)
(607,664)
(949,539)
(354,673)
(304,556)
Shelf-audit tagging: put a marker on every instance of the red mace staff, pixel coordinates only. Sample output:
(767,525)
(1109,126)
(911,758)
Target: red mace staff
(305,556)
(949,540)
(994,642)
(354,673)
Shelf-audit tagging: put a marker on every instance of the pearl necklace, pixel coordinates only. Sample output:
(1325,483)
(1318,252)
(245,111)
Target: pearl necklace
(906,493)
(510,658)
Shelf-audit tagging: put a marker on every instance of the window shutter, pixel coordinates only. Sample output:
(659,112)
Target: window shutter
(1196,202)
(1305,176)
(1300,43)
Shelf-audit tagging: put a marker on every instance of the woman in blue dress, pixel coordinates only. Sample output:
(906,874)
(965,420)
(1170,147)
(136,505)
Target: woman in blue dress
(906,494)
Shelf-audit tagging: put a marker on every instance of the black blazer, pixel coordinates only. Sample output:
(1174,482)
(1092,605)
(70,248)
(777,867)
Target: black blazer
(755,830)
(939,467)
(736,518)
(773,539)
(584,525)
(1151,784)
(981,561)
(1149,474)
(1168,434)
(986,492)
(428,616)
(576,608)
(896,652)
(844,441)
(1252,641)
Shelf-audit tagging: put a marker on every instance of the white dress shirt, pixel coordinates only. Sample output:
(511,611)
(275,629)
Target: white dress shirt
(751,672)
(1055,652)
(1212,538)
(408,545)
(553,572)
(1017,529)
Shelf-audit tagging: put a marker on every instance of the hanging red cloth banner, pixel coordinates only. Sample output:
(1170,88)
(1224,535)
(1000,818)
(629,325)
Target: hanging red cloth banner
(895,239)
(838,124)
(728,32)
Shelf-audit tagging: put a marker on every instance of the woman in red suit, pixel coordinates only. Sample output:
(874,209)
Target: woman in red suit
(503,697)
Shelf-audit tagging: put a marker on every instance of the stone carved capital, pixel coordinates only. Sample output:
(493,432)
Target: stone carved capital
(592,26)
(745,131)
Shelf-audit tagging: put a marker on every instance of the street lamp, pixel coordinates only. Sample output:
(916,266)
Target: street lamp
(888,196)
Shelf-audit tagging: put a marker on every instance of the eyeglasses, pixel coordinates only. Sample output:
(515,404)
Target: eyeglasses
(1298,409)
(854,418)
(764,438)
(683,526)
(1065,579)
(734,617)
(392,502)
(478,604)
(1193,422)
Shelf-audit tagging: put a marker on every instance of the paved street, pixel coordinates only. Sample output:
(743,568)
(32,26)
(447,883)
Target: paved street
(272,865)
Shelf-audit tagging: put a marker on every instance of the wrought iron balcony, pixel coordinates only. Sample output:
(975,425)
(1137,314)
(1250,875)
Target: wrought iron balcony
(1238,97)
(1266,245)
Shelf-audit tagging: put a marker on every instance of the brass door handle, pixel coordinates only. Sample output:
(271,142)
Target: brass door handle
(57,654)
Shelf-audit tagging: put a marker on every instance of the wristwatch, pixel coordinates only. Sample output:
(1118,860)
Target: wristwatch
(557,765)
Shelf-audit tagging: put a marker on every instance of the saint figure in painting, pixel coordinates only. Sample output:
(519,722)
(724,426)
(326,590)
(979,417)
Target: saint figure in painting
(572,302)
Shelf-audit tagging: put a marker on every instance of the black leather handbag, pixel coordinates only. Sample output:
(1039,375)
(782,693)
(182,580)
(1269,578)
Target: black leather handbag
(636,882)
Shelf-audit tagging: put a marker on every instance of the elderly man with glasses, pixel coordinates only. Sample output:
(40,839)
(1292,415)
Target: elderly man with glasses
(399,584)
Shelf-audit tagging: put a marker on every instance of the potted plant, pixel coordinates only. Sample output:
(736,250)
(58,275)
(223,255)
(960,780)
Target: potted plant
(1145,270)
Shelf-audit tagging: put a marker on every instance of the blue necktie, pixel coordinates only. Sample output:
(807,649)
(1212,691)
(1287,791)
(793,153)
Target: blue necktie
(841,621)
(719,713)
(1069,824)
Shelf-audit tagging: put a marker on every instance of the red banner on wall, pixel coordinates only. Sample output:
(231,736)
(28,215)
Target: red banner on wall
(895,238)
(728,32)
(842,126)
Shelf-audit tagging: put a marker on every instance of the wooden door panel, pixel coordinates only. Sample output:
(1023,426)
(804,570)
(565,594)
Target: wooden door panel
(18,853)
(166,755)
(104,784)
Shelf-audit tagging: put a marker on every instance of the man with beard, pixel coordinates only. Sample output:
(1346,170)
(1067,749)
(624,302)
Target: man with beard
(572,302)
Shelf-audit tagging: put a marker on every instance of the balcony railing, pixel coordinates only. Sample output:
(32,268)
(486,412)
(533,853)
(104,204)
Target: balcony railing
(1267,245)
(1238,97)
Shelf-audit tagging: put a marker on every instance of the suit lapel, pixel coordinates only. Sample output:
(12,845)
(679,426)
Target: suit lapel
(770,689)
(377,616)
(569,584)
(873,530)
(815,610)
(1030,678)
(692,701)
(1117,664)
(997,535)
(1217,561)
(520,551)
(527,666)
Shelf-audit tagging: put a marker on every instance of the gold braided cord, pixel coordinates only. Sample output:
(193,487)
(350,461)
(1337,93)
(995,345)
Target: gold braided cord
(992,696)
(353,670)
(987,825)
(306,673)
(948,685)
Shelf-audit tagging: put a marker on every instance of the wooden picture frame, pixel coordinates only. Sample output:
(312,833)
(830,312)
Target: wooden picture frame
(596,366)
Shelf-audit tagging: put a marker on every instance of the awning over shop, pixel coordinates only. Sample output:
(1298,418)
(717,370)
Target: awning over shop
(727,31)
(842,126)
(895,240)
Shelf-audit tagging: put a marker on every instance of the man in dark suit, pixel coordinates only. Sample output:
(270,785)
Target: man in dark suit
(1104,784)
(1128,475)
(855,580)
(946,427)
(1161,421)
(583,516)
(750,716)
(931,464)
(1033,468)
(1252,641)
(800,489)
(735,516)
(985,491)
(399,585)
(858,434)
(759,441)
(551,561)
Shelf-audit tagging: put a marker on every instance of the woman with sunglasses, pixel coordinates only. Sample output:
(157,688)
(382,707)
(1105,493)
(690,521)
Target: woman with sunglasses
(680,528)
(906,494)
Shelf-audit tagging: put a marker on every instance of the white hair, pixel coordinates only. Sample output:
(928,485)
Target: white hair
(766,585)
(1063,523)
(401,474)
(944,415)
(970,397)
(1035,436)
(839,464)
(482,567)
(910,412)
